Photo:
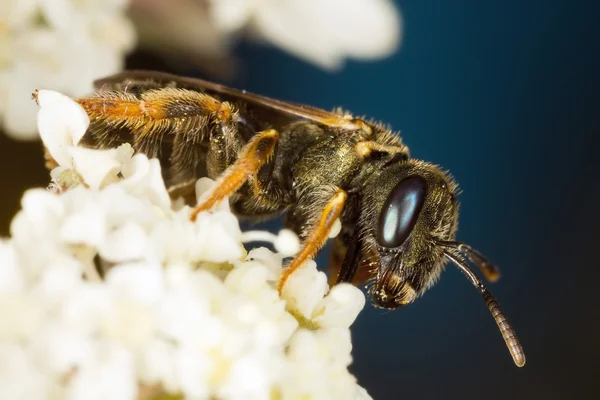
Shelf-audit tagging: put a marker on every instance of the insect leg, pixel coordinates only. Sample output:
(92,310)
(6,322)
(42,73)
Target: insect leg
(352,263)
(343,261)
(150,118)
(317,235)
(168,105)
(254,154)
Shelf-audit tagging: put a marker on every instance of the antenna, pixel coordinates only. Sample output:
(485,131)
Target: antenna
(508,333)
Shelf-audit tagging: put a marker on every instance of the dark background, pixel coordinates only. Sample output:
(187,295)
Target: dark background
(506,95)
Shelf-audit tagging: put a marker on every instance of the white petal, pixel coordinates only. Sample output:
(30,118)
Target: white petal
(340,307)
(117,33)
(87,307)
(127,243)
(130,323)
(265,257)
(18,13)
(56,349)
(87,227)
(288,243)
(21,317)
(11,276)
(336,342)
(41,205)
(97,167)
(122,206)
(248,379)
(361,393)
(326,31)
(204,188)
(136,169)
(59,279)
(229,223)
(304,289)
(143,179)
(58,13)
(247,279)
(19,379)
(193,374)
(156,364)
(141,282)
(203,185)
(111,376)
(353,19)
(217,237)
(231,15)
(295,27)
(124,153)
(61,122)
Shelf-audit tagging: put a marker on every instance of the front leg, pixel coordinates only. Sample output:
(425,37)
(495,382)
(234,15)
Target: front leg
(344,259)
(316,234)
(351,261)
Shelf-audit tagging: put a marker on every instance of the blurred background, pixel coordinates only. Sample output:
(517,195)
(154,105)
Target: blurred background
(505,95)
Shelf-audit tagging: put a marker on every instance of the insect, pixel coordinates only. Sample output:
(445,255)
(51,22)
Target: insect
(398,215)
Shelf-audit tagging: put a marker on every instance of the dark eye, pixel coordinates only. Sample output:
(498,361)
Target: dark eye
(400,211)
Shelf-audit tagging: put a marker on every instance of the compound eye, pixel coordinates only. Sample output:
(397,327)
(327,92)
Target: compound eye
(400,211)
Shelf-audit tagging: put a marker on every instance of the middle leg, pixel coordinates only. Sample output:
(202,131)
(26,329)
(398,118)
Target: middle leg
(351,261)
(318,234)
(253,155)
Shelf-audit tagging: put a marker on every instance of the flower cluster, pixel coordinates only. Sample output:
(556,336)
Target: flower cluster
(63,44)
(109,291)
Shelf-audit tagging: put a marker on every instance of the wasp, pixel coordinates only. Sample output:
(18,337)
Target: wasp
(398,215)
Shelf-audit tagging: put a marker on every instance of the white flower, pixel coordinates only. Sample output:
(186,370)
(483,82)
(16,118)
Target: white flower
(108,292)
(61,123)
(337,310)
(63,44)
(324,32)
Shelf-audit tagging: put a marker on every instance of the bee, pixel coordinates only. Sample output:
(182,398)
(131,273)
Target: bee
(398,215)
